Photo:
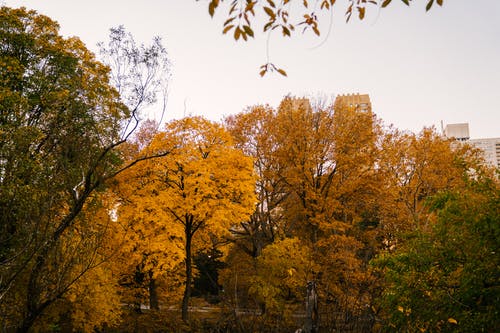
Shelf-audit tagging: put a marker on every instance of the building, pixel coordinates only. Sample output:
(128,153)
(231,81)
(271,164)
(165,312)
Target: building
(355,101)
(458,132)
(490,147)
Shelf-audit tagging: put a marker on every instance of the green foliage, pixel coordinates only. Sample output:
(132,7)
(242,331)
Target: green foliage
(448,278)
(61,121)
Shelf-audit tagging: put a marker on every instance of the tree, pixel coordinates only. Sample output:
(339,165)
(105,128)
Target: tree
(317,182)
(283,270)
(151,245)
(253,132)
(415,167)
(446,278)
(61,124)
(277,15)
(203,187)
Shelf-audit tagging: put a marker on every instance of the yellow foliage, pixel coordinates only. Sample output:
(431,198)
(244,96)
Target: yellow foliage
(282,273)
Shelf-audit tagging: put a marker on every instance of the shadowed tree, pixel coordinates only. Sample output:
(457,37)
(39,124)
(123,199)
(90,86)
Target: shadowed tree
(61,124)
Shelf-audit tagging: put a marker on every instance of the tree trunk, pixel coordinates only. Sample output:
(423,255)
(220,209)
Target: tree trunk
(187,290)
(26,324)
(311,324)
(153,293)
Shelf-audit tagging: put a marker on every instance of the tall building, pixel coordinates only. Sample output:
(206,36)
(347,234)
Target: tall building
(489,146)
(491,149)
(356,101)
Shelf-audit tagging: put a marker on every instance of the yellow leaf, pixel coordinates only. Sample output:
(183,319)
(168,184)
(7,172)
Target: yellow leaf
(452,321)
(401,309)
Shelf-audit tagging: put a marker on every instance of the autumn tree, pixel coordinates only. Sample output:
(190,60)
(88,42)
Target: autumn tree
(150,245)
(317,182)
(414,167)
(60,129)
(203,187)
(253,132)
(283,269)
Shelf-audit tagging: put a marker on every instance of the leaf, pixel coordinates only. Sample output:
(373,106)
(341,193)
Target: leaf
(226,29)
(249,6)
(237,33)
(305,3)
(229,20)
(263,72)
(386,3)
(401,309)
(271,3)
(286,31)
(406,2)
(211,8)
(452,321)
(269,12)
(429,5)
(281,71)
(361,11)
(439,2)
(348,13)
(233,8)
(248,30)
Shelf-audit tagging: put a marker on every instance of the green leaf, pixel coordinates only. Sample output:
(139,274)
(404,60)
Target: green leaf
(406,2)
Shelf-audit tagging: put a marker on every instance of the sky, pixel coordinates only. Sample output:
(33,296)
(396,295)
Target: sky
(418,68)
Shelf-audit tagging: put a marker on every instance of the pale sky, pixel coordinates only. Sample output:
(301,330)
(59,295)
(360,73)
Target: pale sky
(418,68)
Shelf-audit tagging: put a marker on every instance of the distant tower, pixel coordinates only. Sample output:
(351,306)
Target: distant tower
(356,102)
(459,132)
(301,103)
